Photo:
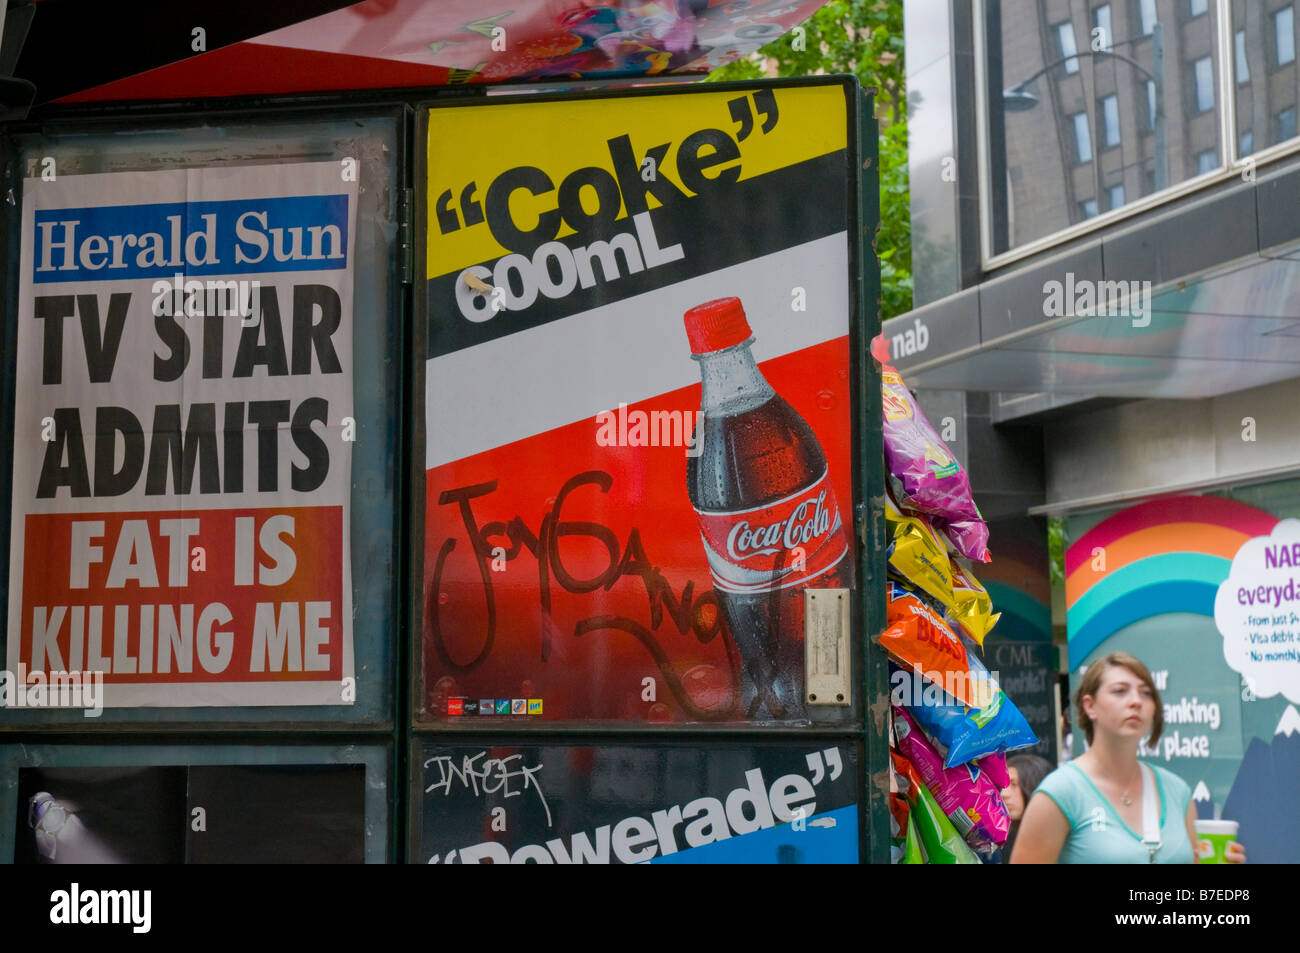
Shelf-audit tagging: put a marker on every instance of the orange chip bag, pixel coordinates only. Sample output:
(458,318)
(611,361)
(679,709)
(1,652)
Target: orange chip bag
(919,638)
(971,605)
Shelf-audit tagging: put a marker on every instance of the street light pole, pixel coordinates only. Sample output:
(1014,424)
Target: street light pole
(1158,62)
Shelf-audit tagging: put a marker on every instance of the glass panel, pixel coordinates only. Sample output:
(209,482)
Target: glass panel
(1088,209)
(1203,71)
(590,550)
(329,606)
(1284,35)
(788,805)
(1101,22)
(1268,78)
(1110,120)
(1196,7)
(131,804)
(1082,142)
(1138,111)
(1115,195)
(1065,38)
(1206,161)
(1147,15)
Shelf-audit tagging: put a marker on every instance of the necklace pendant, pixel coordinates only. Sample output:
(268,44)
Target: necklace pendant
(1128,801)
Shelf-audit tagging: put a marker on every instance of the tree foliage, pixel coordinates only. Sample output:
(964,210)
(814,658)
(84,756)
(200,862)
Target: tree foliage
(865,38)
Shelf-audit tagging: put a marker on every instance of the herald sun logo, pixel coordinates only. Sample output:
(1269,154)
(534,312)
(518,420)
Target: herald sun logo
(808,521)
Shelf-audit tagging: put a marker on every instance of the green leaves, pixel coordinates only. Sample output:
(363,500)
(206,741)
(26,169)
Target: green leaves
(865,38)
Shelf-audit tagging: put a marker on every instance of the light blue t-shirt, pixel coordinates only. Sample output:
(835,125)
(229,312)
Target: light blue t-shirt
(1099,836)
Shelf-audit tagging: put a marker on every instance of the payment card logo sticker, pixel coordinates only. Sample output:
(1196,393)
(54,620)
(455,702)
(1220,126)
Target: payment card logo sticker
(455,706)
(470,707)
(534,706)
(488,706)
(518,706)
(503,706)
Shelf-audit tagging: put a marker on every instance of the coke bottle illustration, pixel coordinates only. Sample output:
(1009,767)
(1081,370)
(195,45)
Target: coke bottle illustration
(767,512)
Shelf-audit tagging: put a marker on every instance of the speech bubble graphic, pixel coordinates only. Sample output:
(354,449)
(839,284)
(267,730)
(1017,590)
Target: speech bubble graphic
(1257,611)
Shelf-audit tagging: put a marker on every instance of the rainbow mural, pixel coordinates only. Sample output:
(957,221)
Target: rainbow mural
(1167,555)
(1018,584)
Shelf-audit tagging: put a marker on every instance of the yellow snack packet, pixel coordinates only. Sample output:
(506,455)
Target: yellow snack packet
(971,606)
(918,555)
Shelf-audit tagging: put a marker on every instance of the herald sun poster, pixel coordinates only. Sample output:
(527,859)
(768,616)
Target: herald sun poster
(182,435)
(636,403)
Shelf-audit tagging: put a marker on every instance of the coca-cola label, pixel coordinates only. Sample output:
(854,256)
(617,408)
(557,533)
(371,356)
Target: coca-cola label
(783,544)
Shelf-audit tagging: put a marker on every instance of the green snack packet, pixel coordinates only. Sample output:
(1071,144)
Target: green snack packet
(912,853)
(939,839)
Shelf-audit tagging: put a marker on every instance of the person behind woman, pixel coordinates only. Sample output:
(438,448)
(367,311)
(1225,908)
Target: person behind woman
(1091,810)
(1026,772)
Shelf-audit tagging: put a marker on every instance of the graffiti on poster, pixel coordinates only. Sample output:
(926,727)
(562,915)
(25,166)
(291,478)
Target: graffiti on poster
(182,436)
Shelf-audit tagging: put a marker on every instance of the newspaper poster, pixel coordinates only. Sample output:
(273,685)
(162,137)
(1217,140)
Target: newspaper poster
(182,438)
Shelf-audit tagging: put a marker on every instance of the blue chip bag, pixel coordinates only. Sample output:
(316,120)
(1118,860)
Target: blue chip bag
(971,733)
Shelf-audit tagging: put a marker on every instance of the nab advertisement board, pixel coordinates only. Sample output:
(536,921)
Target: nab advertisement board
(636,405)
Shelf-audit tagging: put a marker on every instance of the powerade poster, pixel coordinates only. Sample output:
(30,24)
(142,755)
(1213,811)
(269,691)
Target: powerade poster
(182,454)
(604,539)
(661,804)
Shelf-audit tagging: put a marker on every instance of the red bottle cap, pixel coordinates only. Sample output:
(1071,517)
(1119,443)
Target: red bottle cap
(717,324)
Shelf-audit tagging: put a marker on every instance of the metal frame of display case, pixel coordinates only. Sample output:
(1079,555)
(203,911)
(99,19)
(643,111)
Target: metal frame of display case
(402,733)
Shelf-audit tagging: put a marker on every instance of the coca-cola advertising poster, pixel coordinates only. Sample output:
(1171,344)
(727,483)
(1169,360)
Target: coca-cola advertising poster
(636,406)
(773,803)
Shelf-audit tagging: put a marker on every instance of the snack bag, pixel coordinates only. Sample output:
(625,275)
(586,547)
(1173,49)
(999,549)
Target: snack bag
(965,733)
(933,481)
(912,853)
(967,796)
(939,839)
(921,639)
(916,553)
(995,766)
(971,605)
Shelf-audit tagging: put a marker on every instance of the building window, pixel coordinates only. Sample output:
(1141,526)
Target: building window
(1206,161)
(1284,125)
(1150,179)
(1115,196)
(1147,16)
(1284,35)
(1243,67)
(1088,209)
(1101,26)
(1203,73)
(1196,7)
(1082,139)
(1110,121)
(1151,104)
(1246,144)
(1065,38)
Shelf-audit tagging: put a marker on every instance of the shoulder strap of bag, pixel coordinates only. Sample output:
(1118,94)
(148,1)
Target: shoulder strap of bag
(1150,812)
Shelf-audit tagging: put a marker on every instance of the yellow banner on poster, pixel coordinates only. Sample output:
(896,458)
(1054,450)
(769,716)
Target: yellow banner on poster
(505,178)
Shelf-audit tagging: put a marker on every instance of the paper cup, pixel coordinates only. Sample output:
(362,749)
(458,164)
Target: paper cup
(1212,841)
